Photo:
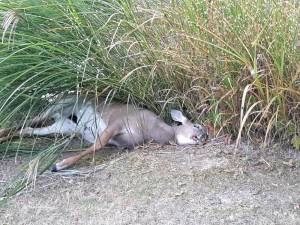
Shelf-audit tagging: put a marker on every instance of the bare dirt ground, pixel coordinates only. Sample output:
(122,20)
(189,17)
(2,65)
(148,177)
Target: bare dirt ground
(170,185)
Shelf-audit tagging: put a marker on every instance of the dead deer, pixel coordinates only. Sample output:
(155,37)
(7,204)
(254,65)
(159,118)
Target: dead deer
(101,123)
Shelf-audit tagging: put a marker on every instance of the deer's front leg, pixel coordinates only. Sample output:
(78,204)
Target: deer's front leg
(101,141)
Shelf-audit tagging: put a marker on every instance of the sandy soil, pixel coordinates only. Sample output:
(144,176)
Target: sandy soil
(169,185)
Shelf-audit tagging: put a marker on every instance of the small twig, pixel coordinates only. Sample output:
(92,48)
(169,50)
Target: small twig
(266,162)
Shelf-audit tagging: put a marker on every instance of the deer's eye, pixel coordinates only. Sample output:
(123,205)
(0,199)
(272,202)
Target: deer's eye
(195,137)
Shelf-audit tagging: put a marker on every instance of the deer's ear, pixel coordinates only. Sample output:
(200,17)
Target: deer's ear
(178,116)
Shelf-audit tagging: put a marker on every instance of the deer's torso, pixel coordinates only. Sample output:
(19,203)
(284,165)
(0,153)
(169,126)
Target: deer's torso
(92,117)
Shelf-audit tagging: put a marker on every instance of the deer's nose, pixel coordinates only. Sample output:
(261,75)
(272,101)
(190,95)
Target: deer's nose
(204,137)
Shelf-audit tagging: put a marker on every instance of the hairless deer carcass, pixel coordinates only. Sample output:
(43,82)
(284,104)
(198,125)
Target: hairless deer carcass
(102,123)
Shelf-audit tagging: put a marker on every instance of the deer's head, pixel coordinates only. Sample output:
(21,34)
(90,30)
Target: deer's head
(187,133)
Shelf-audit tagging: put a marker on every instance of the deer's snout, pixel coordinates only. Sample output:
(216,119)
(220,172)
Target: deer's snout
(204,137)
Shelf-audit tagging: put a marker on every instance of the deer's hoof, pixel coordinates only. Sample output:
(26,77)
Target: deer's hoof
(54,168)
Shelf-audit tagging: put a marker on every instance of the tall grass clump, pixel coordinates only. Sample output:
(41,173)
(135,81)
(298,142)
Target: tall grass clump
(236,62)
(232,64)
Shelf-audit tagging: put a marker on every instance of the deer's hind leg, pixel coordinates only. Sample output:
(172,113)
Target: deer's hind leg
(15,131)
(7,134)
(61,126)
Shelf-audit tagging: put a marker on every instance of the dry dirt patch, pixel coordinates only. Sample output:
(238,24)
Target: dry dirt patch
(170,185)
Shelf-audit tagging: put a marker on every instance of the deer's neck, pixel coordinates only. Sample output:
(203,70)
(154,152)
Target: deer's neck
(172,137)
(163,133)
(179,137)
(172,134)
